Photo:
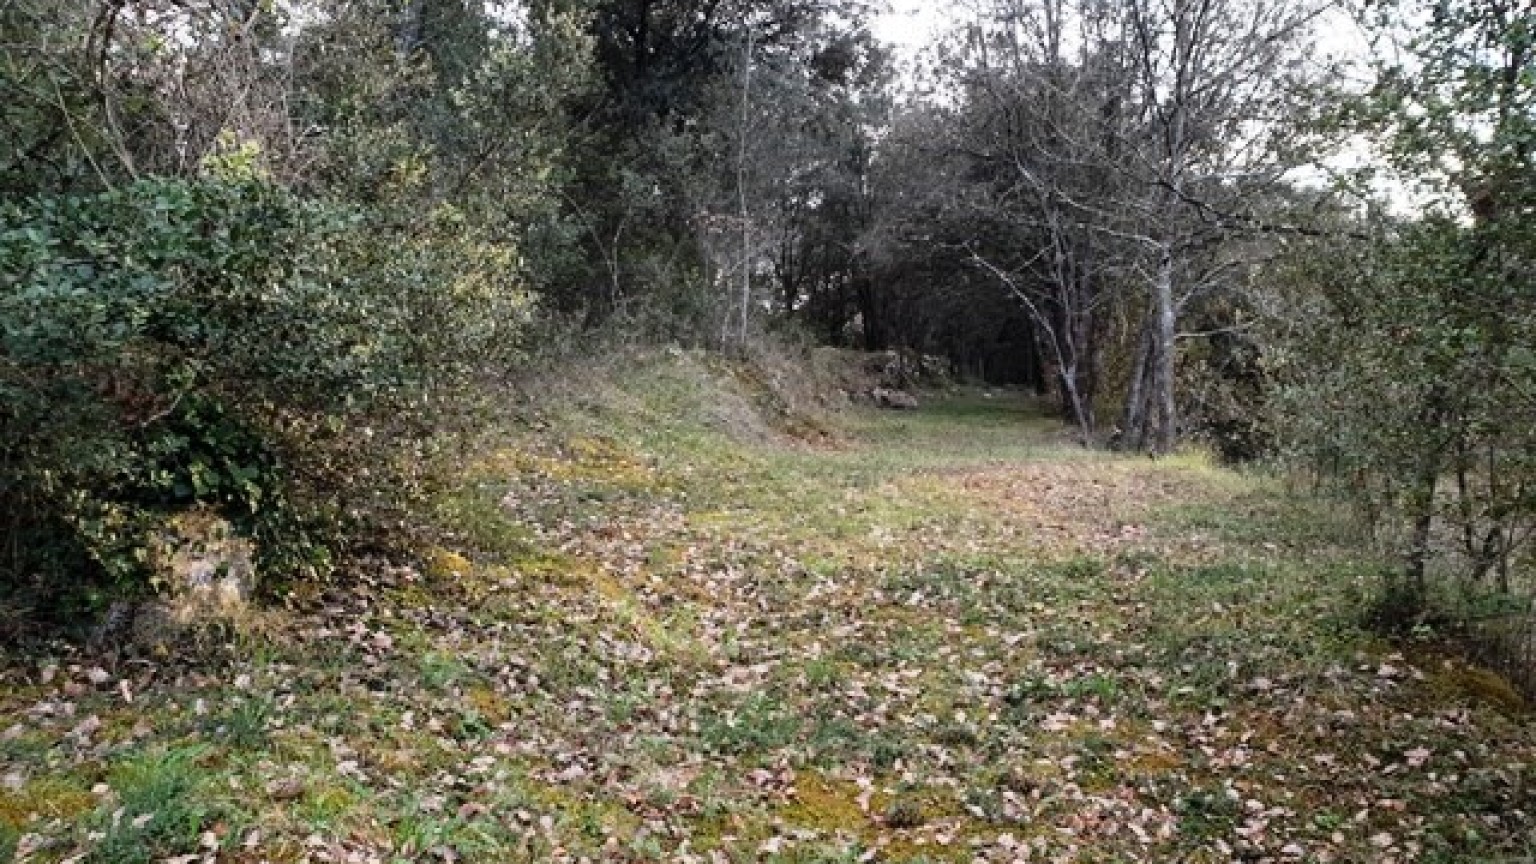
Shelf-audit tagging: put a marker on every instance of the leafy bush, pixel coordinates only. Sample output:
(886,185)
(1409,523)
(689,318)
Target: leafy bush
(226,345)
(1411,388)
(1411,393)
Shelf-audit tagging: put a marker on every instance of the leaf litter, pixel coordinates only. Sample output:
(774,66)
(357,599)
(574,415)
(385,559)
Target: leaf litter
(949,639)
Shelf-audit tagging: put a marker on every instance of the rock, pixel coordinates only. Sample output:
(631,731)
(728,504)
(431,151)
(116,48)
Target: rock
(202,565)
(899,400)
(203,571)
(286,790)
(936,369)
(888,368)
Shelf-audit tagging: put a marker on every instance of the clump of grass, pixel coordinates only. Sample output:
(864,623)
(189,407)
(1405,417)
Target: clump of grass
(760,725)
(157,809)
(1077,569)
(243,726)
(440,671)
(822,675)
(1206,813)
(904,812)
(886,750)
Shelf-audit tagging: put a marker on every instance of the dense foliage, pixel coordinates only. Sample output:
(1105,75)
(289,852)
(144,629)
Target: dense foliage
(245,273)
(258,259)
(171,344)
(1410,389)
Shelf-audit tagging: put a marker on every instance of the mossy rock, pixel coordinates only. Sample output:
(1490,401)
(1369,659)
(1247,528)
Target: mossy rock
(199,554)
(1488,687)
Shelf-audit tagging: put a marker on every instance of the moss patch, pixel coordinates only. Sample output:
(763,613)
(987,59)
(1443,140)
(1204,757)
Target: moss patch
(1483,686)
(44,798)
(830,806)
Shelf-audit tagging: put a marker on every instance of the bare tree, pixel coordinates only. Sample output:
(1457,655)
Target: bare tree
(1046,82)
(1125,145)
(1215,79)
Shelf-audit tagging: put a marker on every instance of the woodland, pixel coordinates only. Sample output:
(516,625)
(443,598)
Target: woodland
(695,430)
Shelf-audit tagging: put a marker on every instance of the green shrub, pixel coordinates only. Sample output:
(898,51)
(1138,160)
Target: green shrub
(230,346)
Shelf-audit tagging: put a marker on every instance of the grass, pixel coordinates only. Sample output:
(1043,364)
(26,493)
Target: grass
(158,809)
(659,628)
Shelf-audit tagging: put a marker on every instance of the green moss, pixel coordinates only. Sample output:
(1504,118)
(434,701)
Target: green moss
(488,704)
(581,817)
(443,565)
(58,797)
(827,805)
(552,568)
(1483,686)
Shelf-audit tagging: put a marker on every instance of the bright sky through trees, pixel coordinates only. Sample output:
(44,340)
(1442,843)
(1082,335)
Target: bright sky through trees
(911,24)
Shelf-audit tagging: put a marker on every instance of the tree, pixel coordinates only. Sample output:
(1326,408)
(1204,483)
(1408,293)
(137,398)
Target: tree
(1432,313)
(1120,156)
(698,103)
(1215,80)
(1045,84)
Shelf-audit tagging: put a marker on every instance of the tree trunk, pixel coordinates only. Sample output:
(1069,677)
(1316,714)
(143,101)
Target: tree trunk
(1075,375)
(1423,505)
(1084,374)
(741,187)
(875,338)
(1421,495)
(1079,411)
(408,34)
(1133,422)
(1162,377)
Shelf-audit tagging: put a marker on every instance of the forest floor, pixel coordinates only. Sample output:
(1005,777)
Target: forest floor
(667,632)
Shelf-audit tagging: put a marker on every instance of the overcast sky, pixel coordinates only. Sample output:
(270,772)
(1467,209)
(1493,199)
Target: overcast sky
(910,24)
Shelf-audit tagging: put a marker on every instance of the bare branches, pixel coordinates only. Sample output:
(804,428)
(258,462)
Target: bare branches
(1135,153)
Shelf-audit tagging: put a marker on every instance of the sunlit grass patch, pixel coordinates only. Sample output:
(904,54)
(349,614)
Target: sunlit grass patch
(475,515)
(1257,516)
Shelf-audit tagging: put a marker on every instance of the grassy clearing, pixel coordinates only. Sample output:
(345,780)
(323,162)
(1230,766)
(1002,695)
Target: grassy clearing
(665,632)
